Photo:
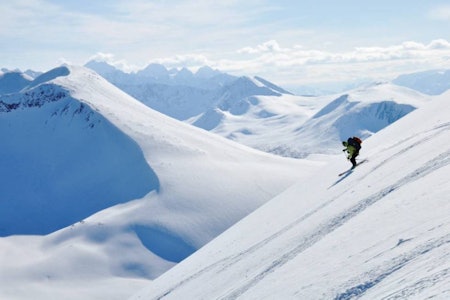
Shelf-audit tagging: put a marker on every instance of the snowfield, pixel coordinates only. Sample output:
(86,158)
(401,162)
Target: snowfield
(106,198)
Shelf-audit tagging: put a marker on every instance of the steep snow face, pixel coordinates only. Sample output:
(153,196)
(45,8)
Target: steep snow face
(62,161)
(380,231)
(137,190)
(12,82)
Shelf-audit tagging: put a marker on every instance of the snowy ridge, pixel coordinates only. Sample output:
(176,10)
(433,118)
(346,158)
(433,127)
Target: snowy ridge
(92,173)
(380,232)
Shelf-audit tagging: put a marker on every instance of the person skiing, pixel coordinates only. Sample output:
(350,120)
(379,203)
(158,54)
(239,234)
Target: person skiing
(352,146)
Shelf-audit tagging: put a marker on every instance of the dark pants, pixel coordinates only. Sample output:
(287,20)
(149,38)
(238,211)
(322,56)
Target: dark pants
(353,159)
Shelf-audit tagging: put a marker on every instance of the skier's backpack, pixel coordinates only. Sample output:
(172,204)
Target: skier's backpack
(355,142)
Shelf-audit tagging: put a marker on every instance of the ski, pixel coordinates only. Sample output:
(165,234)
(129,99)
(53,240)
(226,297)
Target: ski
(351,169)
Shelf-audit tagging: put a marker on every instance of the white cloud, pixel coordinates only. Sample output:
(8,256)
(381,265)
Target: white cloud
(297,65)
(300,65)
(192,61)
(192,33)
(269,46)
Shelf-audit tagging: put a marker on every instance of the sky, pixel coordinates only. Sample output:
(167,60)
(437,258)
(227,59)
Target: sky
(290,43)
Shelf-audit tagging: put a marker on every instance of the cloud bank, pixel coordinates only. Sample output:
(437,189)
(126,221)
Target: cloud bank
(299,65)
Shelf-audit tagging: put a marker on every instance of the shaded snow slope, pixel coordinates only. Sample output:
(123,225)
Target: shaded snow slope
(378,232)
(13,81)
(63,162)
(137,190)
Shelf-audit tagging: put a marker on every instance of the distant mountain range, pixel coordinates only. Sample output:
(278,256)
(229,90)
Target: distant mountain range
(433,82)
(182,94)
(254,111)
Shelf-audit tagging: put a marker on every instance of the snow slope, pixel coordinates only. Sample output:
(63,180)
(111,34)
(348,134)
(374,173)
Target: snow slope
(101,194)
(378,232)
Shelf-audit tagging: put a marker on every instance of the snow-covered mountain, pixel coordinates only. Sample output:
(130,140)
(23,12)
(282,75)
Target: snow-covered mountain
(256,113)
(182,94)
(100,193)
(432,82)
(380,231)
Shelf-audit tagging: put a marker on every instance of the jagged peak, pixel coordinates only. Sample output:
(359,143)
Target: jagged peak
(154,70)
(206,72)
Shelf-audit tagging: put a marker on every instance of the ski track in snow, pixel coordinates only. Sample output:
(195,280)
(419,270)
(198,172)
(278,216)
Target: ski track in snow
(442,128)
(324,229)
(336,222)
(374,277)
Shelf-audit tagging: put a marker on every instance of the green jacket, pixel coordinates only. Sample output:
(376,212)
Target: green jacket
(350,150)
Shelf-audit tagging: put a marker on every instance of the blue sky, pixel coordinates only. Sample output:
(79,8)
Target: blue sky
(288,42)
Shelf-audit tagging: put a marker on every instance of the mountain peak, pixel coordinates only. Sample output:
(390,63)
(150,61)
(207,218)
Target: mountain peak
(246,86)
(100,67)
(154,70)
(206,72)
